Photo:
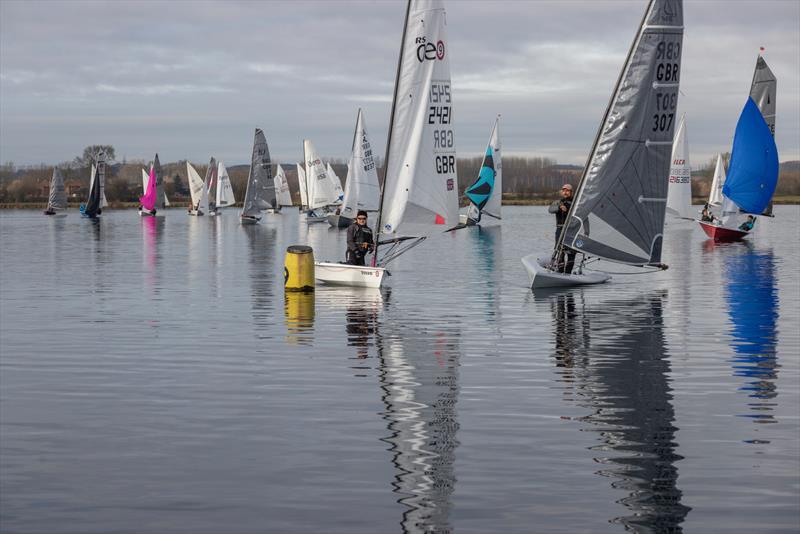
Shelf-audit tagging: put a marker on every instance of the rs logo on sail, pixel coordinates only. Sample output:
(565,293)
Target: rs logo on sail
(429,51)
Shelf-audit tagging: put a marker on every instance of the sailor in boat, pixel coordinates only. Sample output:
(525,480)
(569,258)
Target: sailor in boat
(560,208)
(359,240)
(706,215)
(748,224)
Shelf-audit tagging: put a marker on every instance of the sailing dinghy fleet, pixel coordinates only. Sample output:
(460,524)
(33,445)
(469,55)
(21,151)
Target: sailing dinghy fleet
(638,169)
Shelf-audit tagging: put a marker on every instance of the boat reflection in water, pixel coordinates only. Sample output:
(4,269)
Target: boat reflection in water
(752,299)
(262,242)
(614,360)
(152,229)
(419,381)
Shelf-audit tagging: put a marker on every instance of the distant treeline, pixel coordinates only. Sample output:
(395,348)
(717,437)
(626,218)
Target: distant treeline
(524,178)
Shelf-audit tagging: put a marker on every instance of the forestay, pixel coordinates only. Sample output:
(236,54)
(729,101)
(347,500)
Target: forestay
(361,190)
(486,192)
(320,188)
(618,213)
(282,188)
(679,192)
(420,193)
(58,194)
(260,193)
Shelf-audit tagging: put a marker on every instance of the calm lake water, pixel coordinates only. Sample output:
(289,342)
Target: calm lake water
(154,377)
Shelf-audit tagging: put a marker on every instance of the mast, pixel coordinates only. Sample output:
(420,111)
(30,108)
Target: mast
(305,176)
(634,45)
(389,135)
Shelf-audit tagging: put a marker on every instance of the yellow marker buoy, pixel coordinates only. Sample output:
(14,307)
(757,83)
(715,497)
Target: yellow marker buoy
(298,268)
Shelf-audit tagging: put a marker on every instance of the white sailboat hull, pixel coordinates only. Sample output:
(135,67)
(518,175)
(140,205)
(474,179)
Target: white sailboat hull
(540,276)
(341,274)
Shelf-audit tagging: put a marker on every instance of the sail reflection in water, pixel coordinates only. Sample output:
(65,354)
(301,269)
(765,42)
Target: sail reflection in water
(752,299)
(614,359)
(419,379)
(261,241)
(151,228)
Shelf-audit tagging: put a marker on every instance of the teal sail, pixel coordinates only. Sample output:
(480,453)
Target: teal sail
(753,170)
(480,192)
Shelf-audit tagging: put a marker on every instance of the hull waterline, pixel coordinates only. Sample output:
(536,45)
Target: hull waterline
(541,276)
(720,233)
(341,274)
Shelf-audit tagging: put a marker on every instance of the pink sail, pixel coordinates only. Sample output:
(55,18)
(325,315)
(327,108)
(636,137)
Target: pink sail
(148,201)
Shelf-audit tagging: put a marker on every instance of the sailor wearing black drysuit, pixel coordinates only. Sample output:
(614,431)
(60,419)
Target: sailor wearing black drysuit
(359,240)
(561,208)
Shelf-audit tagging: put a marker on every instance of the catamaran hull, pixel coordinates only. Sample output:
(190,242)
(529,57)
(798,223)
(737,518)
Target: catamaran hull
(720,233)
(540,276)
(339,221)
(341,274)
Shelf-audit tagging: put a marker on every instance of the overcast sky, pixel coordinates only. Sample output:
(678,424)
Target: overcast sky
(193,79)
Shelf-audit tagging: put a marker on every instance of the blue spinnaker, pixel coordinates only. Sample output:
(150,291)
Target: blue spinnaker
(481,190)
(753,170)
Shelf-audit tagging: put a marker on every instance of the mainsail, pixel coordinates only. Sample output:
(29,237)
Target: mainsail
(282,188)
(420,192)
(763,91)
(92,206)
(336,182)
(485,194)
(715,195)
(302,184)
(197,186)
(679,192)
(320,188)
(224,189)
(361,190)
(58,195)
(618,212)
(148,200)
(101,156)
(260,193)
(753,170)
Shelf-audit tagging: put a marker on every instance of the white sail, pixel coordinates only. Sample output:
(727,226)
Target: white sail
(145,179)
(361,190)
(166,201)
(320,188)
(197,189)
(421,186)
(282,188)
(224,189)
(336,182)
(91,179)
(103,200)
(679,192)
(619,208)
(303,186)
(715,196)
(58,195)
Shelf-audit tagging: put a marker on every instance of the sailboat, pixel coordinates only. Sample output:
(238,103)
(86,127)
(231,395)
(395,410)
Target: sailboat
(361,190)
(260,193)
(57,201)
(301,184)
(164,200)
(92,208)
(320,188)
(282,188)
(337,184)
(715,195)
(197,188)
(754,167)
(420,193)
(150,197)
(679,192)
(485,194)
(619,207)
(220,182)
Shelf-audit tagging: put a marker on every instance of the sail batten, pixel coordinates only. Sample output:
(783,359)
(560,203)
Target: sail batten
(629,164)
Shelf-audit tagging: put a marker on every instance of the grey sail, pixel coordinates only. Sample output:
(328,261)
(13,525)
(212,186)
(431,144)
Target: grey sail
(260,194)
(618,212)
(763,92)
(58,195)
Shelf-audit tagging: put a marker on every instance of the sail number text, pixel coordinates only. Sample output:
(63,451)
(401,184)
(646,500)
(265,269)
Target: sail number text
(668,56)
(665,102)
(440,113)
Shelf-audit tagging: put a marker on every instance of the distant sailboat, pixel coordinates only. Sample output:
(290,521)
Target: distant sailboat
(754,167)
(337,184)
(679,192)
(619,207)
(57,201)
(361,190)
(197,188)
(282,188)
(164,200)
(92,208)
(260,194)
(715,195)
(150,197)
(420,193)
(485,194)
(223,190)
(320,188)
